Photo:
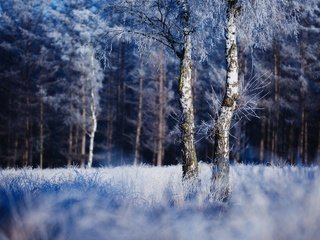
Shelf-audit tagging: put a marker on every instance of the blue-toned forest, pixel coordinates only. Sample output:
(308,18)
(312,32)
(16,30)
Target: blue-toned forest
(159,119)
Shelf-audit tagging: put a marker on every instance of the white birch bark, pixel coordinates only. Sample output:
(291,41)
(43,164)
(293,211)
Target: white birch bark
(93,111)
(220,189)
(93,128)
(189,157)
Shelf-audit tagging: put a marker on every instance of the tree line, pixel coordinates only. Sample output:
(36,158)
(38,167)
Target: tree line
(159,82)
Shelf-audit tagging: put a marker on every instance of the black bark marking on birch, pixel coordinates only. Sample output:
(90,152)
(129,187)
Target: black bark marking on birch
(228,102)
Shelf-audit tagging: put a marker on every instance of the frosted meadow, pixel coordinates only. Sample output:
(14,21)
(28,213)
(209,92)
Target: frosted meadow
(93,83)
(150,203)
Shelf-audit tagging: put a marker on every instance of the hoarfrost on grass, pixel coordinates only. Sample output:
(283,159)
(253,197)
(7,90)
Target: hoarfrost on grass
(149,203)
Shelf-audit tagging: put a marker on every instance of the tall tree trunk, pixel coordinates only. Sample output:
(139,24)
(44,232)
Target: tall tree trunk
(189,156)
(303,89)
(76,143)
(110,119)
(121,100)
(41,133)
(290,145)
(94,124)
(302,131)
(93,111)
(269,134)
(83,134)
(220,167)
(27,135)
(70,143)
(318,149)
(306,142)
(15,149)
(161,112)
(262,139)
(274,150)
(139,121)
(31,145)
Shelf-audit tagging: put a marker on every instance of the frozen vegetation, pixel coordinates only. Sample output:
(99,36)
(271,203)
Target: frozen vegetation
(150,203)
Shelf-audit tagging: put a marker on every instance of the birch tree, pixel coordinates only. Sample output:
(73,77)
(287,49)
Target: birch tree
(172,23)
(257,22)
(75,38)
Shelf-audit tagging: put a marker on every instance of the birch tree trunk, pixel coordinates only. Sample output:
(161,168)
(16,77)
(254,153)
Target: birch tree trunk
(220,189)
(93,130)
(189,156)
(93,109)
(139,124)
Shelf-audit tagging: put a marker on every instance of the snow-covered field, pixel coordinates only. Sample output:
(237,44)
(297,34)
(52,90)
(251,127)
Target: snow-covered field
(149,203)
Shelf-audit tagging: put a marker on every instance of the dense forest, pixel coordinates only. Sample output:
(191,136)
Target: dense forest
(82,82)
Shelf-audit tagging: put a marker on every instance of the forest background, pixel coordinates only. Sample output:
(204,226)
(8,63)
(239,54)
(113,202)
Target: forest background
(51,78)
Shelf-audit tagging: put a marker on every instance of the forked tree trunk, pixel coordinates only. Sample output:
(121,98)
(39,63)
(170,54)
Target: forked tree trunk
(220,188)
(161,113)
(139,124)
(189,156)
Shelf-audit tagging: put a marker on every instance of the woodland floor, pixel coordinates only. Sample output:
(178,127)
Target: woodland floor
(149,203)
